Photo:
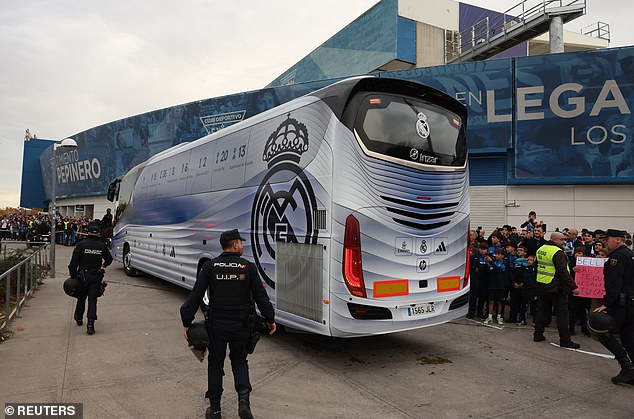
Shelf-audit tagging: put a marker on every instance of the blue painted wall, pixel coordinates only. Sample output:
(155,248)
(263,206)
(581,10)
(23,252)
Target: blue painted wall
(470,15)
(366,44)
(32,190)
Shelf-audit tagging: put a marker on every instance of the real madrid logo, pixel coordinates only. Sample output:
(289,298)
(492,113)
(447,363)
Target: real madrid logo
(422,127)
(285,202)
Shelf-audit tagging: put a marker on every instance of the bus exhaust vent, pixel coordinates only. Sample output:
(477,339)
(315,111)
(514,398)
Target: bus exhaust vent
(319,215)
(299,279)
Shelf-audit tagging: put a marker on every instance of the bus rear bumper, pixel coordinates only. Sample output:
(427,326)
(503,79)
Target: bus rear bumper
(368,317)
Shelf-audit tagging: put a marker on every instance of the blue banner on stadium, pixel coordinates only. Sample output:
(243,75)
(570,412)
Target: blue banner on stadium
(573,118)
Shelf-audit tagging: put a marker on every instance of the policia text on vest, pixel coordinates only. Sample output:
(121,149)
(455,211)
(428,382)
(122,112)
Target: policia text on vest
(233,284)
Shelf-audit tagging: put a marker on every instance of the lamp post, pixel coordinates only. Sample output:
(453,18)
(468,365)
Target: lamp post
(66,143)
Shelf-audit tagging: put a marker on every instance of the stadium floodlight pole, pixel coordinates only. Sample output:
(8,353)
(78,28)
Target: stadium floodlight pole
(66,143)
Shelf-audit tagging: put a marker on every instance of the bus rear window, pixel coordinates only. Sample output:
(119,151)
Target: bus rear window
(412,130)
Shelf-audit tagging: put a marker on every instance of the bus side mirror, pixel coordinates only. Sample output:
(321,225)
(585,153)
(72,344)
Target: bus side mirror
(113,190)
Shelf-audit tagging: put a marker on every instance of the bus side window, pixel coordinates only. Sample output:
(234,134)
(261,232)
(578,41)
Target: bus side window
(230,160)
(125,192)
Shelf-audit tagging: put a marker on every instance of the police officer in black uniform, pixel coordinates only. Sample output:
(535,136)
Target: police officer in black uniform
(617,313)
(86,265)
(233,284)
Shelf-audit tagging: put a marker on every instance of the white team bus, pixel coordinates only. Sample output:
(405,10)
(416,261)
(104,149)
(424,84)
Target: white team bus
(354,200)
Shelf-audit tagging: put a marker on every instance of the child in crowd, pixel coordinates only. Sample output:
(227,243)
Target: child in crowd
(483,278)
(511,290)
(529,294)
(597,246)
(497,283)
(496,243)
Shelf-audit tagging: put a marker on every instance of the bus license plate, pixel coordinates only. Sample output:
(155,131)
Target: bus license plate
(421,309)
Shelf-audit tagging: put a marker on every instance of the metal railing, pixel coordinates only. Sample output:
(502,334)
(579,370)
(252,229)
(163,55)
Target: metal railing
(599,30)
(19,283)
(493,27)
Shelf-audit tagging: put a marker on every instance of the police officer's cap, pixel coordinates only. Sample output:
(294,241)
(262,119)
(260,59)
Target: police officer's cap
(94,228)
(615,233)
(228,236)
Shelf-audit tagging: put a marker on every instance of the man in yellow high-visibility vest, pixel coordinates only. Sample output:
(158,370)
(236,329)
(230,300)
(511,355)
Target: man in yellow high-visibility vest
(554,284)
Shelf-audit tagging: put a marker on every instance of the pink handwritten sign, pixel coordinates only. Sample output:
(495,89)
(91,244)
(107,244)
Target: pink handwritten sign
(589,277)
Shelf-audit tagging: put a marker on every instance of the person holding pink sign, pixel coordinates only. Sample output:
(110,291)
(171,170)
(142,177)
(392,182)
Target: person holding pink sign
(617,312)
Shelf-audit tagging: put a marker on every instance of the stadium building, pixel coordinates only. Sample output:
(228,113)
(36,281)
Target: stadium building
(546,132)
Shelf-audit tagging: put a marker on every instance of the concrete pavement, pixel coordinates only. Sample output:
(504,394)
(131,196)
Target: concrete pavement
(137,365)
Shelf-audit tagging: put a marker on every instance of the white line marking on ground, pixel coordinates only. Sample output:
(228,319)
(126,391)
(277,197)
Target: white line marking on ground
(586,352)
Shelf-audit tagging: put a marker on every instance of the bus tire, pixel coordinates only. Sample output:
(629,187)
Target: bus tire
(127,259)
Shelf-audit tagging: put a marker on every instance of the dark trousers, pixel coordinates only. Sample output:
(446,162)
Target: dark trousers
(517,304)
(483,296)
(578,308)
(546,302)
(624,325)
(235,334)
(92,288)
(474,291)
(529,301)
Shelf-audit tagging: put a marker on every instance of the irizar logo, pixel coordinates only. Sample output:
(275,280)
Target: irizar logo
(422,127)
(415,155)
(280,209)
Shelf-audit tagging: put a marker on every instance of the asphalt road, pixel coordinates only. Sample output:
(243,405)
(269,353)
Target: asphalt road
(137,365)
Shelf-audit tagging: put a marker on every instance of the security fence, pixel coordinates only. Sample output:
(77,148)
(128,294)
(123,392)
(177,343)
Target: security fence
(24,271)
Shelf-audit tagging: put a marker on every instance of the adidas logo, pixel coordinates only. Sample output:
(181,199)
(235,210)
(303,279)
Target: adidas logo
(441,247)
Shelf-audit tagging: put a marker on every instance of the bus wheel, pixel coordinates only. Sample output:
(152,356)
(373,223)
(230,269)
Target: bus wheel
(127,258)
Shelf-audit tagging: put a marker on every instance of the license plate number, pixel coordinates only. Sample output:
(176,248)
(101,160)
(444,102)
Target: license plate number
(421,310)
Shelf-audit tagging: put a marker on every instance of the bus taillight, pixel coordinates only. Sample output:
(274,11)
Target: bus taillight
(352,268)
(465,282)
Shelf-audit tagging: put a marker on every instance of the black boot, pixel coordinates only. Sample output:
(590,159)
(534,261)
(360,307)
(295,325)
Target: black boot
(627,372)
(78,320)
(90,328)
(569,344)
(244,407)
(213,411)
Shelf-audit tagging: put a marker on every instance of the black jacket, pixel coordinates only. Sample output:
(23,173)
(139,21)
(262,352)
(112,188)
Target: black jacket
(227,265)
(88,254)
(617,274)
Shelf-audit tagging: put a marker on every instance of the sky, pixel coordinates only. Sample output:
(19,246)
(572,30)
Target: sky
(69,65)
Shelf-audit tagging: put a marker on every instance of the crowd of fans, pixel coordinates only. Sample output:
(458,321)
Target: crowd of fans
(37,228)
(503,271)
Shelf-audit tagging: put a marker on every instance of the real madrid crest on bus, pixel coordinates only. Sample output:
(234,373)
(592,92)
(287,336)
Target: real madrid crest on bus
(422,127)
(284,205)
